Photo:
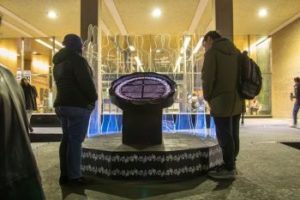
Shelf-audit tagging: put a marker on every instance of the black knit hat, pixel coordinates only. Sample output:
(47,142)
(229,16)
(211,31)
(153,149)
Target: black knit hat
(73,42)
(212,34)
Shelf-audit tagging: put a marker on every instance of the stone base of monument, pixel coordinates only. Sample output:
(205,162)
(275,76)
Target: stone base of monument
(179,156)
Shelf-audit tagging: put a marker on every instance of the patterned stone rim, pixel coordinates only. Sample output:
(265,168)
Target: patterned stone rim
(168,164)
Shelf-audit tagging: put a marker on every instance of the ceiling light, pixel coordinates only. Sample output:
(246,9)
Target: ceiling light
(45,44)
(156,12)
(263,12)
(52,14)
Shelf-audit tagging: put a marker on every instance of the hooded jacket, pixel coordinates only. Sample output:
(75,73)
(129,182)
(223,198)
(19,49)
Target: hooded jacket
(219,79)
(73,78)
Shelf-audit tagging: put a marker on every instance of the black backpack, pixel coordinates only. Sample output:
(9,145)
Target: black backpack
(250,79)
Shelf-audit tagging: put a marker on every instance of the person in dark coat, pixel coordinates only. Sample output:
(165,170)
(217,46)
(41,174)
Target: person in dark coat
(19,175)
(75,100)
(296,96)
(219,78)
(30,94)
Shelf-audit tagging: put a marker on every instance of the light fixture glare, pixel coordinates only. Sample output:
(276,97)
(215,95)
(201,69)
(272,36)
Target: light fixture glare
(263,12)
(156,12)
(52,14)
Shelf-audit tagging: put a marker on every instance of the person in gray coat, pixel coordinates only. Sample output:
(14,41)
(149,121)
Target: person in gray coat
(220,90)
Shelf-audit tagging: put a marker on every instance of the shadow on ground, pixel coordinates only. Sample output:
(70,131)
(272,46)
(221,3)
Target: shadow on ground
(45,137)
(295,145)
(140,189)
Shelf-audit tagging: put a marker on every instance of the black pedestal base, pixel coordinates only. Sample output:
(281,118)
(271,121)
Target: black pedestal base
(142,126)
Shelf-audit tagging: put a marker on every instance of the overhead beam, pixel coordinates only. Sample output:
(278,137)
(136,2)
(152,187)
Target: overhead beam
(7,12)
(115,14)
(286,23)
(198,14)
(6,23)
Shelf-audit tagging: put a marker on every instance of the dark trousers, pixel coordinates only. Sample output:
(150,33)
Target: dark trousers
(227,129)
(74,121)
(295,113)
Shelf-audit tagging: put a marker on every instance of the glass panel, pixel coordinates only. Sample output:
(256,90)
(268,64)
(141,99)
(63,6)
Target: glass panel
(31,58)
(259,49)
(10,54)
(177,56)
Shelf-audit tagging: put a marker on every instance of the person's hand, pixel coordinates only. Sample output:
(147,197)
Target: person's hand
(291,96)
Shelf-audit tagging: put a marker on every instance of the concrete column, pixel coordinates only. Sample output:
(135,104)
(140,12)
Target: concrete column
(99,72)
(224,17)
(88,15)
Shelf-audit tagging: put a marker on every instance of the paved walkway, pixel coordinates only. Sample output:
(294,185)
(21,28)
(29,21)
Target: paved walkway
(267,169)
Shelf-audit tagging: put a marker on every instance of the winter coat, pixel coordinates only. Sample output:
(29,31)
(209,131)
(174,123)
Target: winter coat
(297,93)
(30,95)
(19,175)
(219,78)
(73,78)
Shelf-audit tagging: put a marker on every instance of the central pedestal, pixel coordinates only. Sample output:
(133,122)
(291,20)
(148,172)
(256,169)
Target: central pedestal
(142,96)
(142,126)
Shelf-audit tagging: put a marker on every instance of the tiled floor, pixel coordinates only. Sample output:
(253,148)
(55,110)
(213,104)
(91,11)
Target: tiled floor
(267,170)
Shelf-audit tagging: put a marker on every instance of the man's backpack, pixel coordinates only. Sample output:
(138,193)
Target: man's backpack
(250,79)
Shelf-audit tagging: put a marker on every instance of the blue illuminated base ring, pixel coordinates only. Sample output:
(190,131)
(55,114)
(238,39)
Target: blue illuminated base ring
(102,158)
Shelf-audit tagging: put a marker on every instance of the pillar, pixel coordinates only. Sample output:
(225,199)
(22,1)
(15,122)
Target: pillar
(224,17)
(88,15)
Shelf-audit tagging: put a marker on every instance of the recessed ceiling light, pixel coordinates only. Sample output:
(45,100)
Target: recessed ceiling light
(263,12)
(52,14)
(156,12)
